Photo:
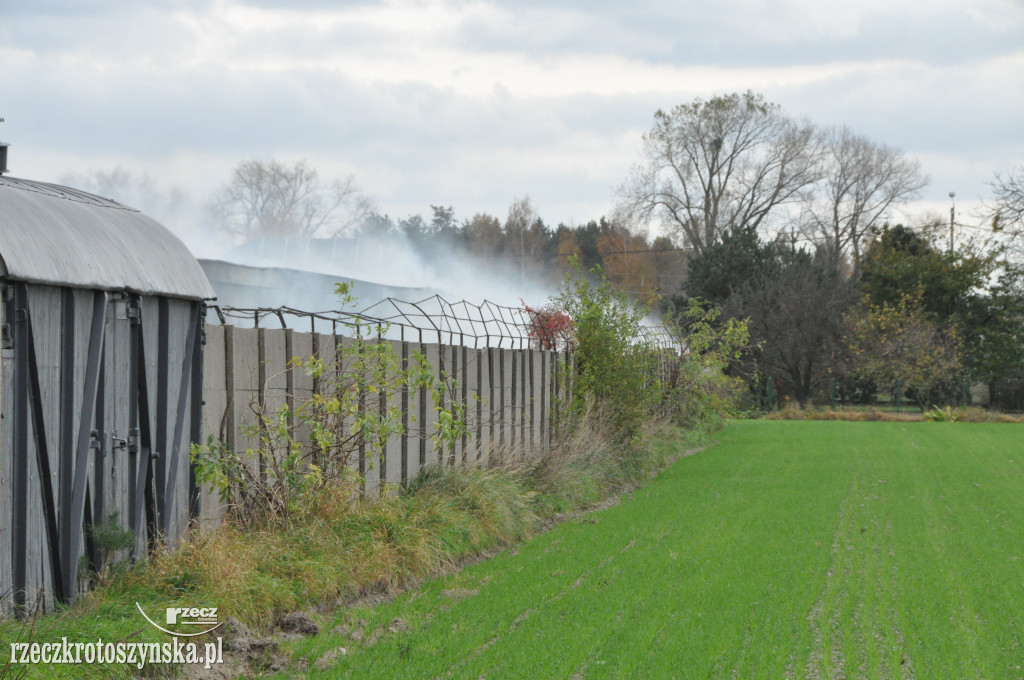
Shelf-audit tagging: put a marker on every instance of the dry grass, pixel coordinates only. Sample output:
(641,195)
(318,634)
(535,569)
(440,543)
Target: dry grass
(353,547)
(586,466)
(972,414)
(348,547)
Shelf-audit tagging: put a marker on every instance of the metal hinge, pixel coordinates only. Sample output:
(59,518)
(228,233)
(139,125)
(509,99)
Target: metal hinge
(133,440)
(6,336)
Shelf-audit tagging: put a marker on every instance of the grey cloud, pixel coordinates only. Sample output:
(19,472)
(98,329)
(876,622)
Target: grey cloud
(137,34)
(442,147)
(926,109)
(65,9)
(720,34)
(268,113)
(295,43)
(308,4)
(476,153)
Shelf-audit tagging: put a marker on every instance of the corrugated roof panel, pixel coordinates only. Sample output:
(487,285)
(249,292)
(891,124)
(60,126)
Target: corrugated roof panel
(61,236)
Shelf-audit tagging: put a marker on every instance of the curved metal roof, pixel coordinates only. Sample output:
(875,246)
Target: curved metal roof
(56,235)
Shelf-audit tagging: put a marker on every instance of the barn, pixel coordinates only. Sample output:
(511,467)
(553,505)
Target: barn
(100,387)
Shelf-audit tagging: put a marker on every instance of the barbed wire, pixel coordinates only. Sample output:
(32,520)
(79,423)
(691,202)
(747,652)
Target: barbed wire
(487,324)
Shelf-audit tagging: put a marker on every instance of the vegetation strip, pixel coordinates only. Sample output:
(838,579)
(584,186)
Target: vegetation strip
(350,549)
(794,549)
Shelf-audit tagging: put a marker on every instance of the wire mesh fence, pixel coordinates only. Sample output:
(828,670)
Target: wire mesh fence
(487,324)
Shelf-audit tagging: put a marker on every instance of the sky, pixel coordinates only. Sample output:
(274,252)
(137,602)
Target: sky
(473,103)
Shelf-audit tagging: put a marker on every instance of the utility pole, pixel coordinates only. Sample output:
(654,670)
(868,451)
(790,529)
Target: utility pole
(3,156)
(952,209)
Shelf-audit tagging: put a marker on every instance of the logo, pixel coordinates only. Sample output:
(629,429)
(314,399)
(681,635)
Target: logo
(188,619)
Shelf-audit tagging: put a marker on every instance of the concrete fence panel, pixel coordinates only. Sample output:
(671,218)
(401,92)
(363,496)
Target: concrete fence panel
(427,413)
(509,398)
(391,457)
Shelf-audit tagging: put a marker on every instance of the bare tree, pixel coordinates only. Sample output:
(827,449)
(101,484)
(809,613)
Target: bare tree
(729,162)
(524,232)
(861,181)
(1007,212)
(268,198)
(522,215)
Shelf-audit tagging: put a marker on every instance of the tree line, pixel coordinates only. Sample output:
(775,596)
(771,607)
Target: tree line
(272,200)
(767,217)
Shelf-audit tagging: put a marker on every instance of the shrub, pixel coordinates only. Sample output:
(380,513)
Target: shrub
(897,345)
(617,371)
(611,367)
(698,386)
(550,327)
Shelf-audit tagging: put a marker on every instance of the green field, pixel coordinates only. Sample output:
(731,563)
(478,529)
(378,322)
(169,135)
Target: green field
(791,550)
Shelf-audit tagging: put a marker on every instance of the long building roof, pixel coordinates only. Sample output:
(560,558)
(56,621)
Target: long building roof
(60,236)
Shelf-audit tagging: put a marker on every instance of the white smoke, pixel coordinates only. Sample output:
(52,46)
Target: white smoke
(389,261)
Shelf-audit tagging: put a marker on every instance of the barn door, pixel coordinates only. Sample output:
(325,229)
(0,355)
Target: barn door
(53,400)
(114,440)
(100,399)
